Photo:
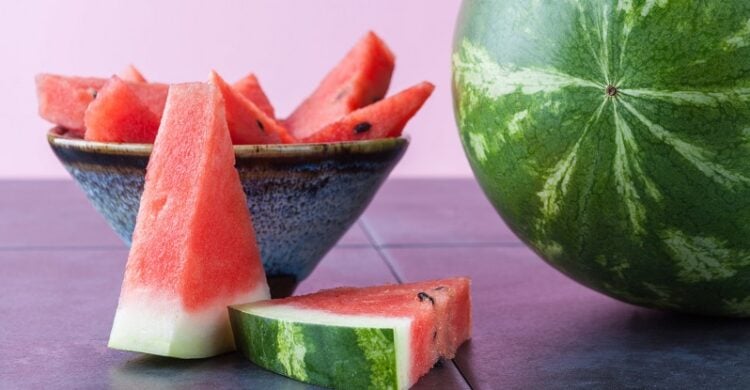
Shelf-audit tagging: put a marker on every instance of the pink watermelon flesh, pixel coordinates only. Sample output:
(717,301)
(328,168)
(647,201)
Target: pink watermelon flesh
(383,119)
(63,100)
(440,311)
(194,250)
(247,123)
(118,115)
(132,74)
(361,78)
(153,96)
(250,88)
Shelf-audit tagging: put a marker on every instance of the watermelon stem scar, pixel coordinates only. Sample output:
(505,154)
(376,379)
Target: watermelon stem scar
(611,91)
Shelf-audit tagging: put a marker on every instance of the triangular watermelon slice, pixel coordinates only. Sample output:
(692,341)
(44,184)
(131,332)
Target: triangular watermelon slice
(132,74)
(383,119)
(63,99)
(194,250)
(361,78)
(118,115)
(373,337)
(250,88)
(247,123)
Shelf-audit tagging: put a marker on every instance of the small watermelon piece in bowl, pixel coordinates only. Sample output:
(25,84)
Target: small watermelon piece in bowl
(373,337)
(384,119)
(118,115)
(248,124)
(194,250)
(250,88)
(132,74)
(361,78)
(63,100)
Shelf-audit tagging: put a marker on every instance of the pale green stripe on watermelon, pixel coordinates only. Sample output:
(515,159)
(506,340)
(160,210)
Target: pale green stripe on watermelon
(739,39)
(697,156)
(704,258)
(697,98)
(326,349)
(647,199)
(477,68)
(292,350)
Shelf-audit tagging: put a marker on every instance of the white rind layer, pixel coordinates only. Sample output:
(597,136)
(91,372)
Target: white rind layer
(153,323)
(401,328)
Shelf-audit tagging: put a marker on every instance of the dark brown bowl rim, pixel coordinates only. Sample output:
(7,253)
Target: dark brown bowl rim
(57,138)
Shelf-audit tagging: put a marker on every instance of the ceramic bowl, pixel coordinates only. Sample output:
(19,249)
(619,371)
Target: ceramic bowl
(303,198)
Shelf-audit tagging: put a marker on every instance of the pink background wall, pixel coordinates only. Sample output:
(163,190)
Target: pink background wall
(289,44)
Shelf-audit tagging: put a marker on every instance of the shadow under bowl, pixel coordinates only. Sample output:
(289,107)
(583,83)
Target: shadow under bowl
(303,198)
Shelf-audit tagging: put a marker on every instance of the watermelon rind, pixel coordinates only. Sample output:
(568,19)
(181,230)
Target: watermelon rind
(152,323)
(324,348)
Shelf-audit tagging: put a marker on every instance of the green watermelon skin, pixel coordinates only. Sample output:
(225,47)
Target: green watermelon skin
(641,192)
(257,337)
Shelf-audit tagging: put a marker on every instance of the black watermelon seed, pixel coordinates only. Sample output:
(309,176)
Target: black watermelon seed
(423,295)
(260,124)
(438,288)
(93,92)
(362,127)
(434,335)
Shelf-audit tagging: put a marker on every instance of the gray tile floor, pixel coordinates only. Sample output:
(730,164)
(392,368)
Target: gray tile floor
(533,327)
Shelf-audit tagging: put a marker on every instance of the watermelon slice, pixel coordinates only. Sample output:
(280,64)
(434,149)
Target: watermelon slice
(118,115)
(63,100)
(194,250)
(153,96)
(374,337)
(132,74)
(361,78)
(383,119)
(249,87)
(247,123)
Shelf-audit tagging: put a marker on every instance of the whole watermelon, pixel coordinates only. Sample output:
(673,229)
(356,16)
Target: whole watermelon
(613,136)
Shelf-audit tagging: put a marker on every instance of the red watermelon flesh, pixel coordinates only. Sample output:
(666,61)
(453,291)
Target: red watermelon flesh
(439,328)
(132,74)
(194,250)
(153,95)
(247,123)
(361,78)
(118,115)
(63,100)
(383,119)
(250,88)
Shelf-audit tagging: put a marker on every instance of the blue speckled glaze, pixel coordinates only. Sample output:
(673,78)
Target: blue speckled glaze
(302,198)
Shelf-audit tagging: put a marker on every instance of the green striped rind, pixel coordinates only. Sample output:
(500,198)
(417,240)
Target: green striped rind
(644,196)
(333,356)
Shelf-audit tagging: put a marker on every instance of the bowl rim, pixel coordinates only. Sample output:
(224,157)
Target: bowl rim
(56,137)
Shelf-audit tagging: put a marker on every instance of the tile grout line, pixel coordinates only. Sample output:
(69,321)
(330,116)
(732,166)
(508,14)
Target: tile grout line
(463,376)
(386,259)
(379,250)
